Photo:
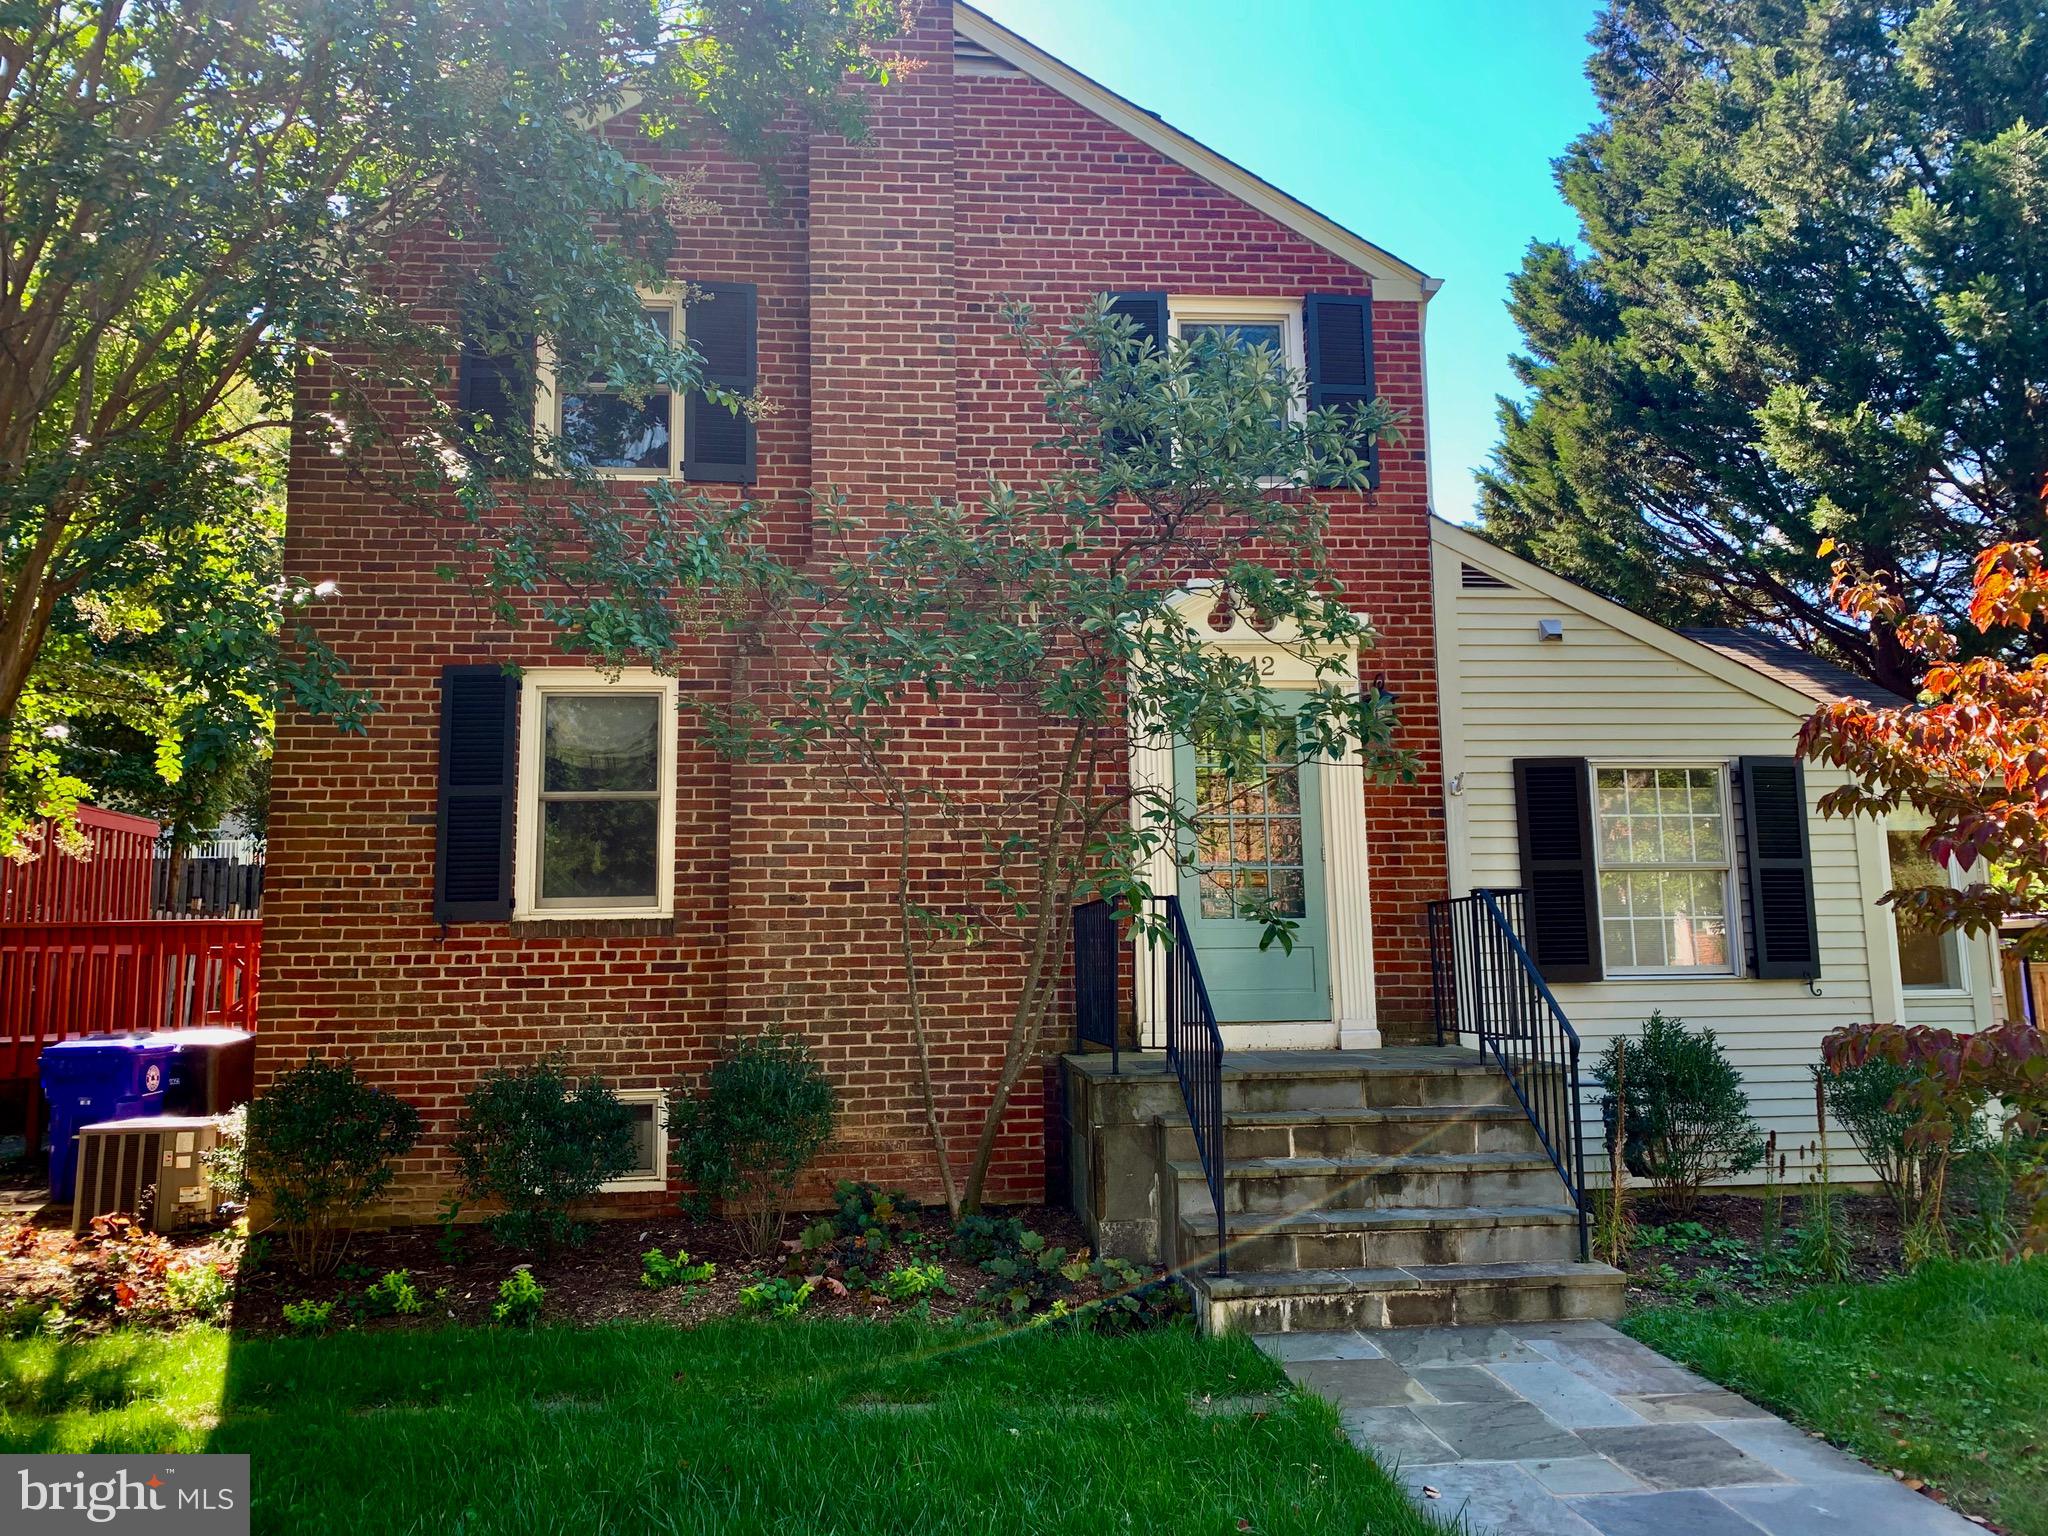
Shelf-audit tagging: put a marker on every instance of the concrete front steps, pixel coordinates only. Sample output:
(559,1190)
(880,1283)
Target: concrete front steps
(1362,1189)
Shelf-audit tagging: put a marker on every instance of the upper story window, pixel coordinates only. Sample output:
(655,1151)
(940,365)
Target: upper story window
(1271,324)
(660,434)
(1661,847)
(1928,961)
(596,813)
(604,429)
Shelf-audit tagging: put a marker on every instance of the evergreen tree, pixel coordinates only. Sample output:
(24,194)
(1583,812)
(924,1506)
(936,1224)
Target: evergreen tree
(1810,300)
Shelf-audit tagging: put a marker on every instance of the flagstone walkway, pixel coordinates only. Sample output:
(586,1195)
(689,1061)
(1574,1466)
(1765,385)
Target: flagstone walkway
(1573,1429)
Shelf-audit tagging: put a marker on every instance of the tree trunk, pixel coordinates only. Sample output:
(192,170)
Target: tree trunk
(914,988)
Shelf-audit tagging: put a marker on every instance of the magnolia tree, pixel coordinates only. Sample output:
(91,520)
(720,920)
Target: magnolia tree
(1971,756)
(1055,603)
(203,201)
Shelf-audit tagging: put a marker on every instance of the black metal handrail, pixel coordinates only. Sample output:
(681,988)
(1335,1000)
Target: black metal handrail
(1095,979)
(1484,983)
(1194,1046)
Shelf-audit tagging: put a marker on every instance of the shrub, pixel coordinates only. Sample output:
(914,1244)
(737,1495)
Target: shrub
(393,1296)
(978,1238)
(1874,1100)
(197,1290)
(1687,1122)
(909,1282)
(1024,1275)
(539,1141)
(309,1316)
(776,1297)
(766,1109)
(1952,1074)
(659,1272)
(519,1299)
(321,1147)
(227,1161)
(1131,1302)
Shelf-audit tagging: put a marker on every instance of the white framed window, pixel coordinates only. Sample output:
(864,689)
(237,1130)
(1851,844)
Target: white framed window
(1928,961)
(1274,323)
(627,437)
(650,1142)
(595,834)
(1662,847)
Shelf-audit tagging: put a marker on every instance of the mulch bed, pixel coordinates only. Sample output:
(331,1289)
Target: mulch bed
(594,1282)
(1680,1265)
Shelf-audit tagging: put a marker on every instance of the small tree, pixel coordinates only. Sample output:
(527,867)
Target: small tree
(1686,1120)
(1875,1103)
(1968,755)
(321,1147)
(764,1112)
(539,1141)
(1167,472)
(203,203)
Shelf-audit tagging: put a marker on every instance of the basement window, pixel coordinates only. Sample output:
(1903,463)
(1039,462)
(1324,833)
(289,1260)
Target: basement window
(650,1142)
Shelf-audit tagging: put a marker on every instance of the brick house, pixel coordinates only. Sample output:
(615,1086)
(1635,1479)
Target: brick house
(866,307)
(440,902)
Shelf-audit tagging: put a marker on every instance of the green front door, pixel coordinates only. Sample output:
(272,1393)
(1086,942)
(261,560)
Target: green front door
(1259,840)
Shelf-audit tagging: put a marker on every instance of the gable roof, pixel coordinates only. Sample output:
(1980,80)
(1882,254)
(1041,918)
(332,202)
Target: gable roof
(1392,278)
(1492,560)
(1821,681)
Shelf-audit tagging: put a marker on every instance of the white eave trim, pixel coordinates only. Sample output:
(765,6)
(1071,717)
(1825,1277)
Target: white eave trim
(1463,544)
(1392,278)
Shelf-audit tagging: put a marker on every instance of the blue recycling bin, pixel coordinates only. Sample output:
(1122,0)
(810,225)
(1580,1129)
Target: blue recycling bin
(95,1078)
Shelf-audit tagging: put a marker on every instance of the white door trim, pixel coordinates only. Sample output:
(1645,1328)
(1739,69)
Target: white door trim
(1353,1024)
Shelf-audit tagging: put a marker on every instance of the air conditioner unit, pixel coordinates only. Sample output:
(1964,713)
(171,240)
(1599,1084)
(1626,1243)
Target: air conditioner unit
(152,1164)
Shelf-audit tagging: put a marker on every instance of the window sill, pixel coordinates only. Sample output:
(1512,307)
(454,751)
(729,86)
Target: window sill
(1936,994)
(578,925)
(638,1184)
(1676,976)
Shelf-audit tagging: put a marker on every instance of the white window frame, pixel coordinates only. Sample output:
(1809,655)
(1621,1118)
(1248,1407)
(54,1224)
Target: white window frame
(1958,984)
(637,1182)
(1209,309)
(548,392)
(534,689)
(1730,899)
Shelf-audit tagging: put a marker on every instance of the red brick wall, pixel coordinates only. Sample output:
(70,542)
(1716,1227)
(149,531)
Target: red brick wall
(880,273)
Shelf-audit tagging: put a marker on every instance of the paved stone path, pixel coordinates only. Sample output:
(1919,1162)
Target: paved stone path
(1573,1429)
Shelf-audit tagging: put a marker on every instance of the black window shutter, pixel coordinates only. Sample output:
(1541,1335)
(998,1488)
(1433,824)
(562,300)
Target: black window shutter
(1145,310)
(494,375)
(1339,358)
(1780,867)
(473,824)
(1148,312)
(1561,899)
(718,441)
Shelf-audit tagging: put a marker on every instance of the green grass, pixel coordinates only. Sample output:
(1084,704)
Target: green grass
(1942,1375)
(732,1427)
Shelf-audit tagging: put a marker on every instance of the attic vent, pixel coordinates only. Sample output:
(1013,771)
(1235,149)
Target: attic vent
(970,58)
(1472,579)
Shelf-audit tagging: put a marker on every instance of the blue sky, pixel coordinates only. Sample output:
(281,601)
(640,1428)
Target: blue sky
(1429,129)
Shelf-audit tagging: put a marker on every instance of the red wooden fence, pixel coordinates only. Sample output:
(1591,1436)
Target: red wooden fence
(110,884)
(58,980)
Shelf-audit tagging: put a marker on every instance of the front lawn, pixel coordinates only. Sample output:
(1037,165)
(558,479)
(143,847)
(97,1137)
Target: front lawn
(1941,1375)
(805,1427)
